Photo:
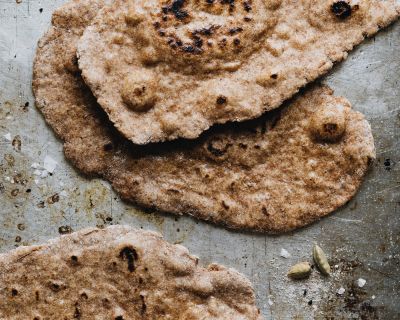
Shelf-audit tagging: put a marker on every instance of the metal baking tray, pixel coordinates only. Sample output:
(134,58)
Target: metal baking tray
(362,239)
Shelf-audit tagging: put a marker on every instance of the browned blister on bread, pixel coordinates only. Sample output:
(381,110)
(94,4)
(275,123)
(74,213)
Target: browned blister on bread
(164,69)
(273,174)
(119,273)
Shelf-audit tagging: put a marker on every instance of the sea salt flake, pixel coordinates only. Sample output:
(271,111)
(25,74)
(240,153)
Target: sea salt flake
(373,297)
(270,302)
(37,172)
(49,164)
(35,165)
(64,193)
(361,282)
(44,174)
(341,291)
(284,253)
(8,136)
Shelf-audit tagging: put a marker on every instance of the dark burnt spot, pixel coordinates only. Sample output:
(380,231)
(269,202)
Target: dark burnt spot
(74,260)
(234,31)
(305,292)
(231,3)
(191,49)
(225,205)
(264,211)
(119,318)
(330,128)
(247,6)
(77,312)
(108,147)
(176,8)
(217,148)
(54,286)
(205,31)
(209,1)
(84,295)
(247,19)
(236,42)
(14,292)
(143,307)
(161,33)
(18,239)
(198,42)
(40,204)
(222,43)
(156,25)
(129,254)
(274,76)
(106,303)
(341,9)
(310,303)
(387,164)
(37,295)
(221,100)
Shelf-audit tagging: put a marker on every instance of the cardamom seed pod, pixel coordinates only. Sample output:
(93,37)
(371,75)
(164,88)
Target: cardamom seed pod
(300,271)
(321,261)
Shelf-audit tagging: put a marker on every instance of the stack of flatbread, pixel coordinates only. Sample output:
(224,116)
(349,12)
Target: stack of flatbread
(196,107)
(133,87)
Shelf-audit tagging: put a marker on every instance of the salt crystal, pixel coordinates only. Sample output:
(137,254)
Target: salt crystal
(284,254)
(44,174)
(63,193)
(361,282)
(373,297)
(37,172)
(49,164)
(270,302)
(7,136)
(341,291)
(35,165)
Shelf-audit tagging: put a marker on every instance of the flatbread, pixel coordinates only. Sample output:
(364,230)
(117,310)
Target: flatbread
(119,273)
(273,174)
(164,69)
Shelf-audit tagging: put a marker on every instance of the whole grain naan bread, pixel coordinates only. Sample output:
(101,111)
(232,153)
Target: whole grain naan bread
(273,174)
(119,273)
(164,69)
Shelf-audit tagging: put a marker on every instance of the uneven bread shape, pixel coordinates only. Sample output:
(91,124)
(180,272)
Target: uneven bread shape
(273,174)
(119,273)
(164,69)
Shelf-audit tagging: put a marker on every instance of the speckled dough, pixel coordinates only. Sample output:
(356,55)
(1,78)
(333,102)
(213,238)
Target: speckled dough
(273,174)
(119,273)
(164,69)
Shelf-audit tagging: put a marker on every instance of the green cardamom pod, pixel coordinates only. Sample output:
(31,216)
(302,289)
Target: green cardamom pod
(321,261)
(300,271)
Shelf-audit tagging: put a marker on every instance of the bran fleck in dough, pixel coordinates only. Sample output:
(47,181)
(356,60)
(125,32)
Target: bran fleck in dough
(164,69)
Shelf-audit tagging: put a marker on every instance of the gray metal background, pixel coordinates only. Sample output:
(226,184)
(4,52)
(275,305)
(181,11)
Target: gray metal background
(361,240)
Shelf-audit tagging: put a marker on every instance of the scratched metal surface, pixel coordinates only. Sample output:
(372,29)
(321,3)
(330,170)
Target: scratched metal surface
(362,239)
